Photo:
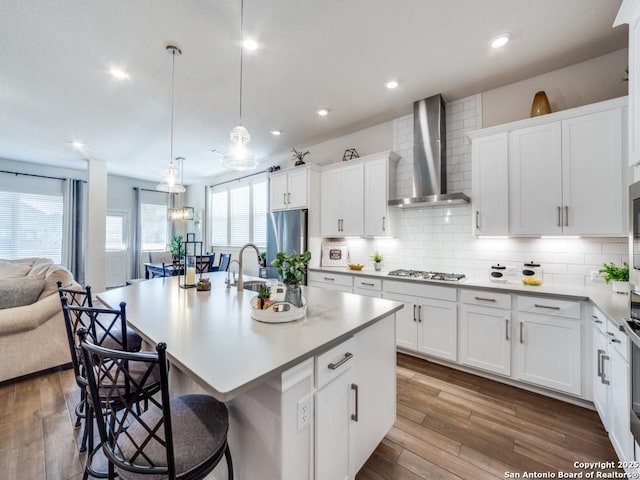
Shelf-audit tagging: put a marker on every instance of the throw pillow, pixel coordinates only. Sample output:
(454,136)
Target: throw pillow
(16,292)
(10,269)
(53,274)
(40,266)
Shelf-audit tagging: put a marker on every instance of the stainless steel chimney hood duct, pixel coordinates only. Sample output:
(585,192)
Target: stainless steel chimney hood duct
(429,161)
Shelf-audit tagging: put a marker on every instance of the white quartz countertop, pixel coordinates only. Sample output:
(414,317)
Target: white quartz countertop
(614,305)
(211,336)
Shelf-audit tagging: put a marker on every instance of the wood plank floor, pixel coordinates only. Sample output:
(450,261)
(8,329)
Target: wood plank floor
(449,425)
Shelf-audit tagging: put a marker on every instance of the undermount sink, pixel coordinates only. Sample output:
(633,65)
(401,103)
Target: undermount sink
(254,285)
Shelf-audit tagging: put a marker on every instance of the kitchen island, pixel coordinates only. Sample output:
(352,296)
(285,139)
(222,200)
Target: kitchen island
(307,399)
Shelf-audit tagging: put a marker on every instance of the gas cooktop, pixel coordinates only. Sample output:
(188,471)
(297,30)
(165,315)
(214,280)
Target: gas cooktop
(419,274)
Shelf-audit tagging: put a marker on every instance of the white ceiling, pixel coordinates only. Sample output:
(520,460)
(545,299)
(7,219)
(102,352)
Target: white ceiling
(55,86)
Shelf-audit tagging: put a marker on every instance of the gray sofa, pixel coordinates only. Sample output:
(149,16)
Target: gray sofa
(32,332)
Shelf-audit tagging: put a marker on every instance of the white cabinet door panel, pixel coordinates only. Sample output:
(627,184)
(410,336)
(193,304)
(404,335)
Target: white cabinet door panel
(278,192)
(437,328)
(619,406)
(591,167)
(375,197)
(330,193)
(600,389)
(352,200)
(535,180)
(485,338)
(406,329)
(297,185)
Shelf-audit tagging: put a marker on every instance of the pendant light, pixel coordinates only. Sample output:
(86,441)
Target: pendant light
(239,157)
(171,183)
(182,212)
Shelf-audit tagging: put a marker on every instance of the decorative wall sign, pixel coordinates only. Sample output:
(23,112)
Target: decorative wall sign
(335,254)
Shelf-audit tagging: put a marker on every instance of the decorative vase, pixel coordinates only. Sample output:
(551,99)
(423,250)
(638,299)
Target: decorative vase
(620,287)
(377,266)
(540,105)
(293,294)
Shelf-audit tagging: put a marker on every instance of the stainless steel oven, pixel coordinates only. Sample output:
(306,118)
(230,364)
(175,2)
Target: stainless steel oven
(633,325)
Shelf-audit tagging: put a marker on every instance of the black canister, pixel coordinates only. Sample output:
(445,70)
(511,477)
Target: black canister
(498,273)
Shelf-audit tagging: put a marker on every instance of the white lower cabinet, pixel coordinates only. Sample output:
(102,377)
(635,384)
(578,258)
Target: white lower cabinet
(428,321)
(355,400)
(611,383)
(549,344)
(331,281)
(485,331)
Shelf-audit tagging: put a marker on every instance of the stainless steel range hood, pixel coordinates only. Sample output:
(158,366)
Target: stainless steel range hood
(429,162)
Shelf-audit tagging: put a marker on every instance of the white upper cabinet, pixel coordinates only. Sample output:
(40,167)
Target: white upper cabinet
(291,189)
(592,176)
(342,201)
(379,188)
(630,13)
(535,178)
(562,174)
(490,191)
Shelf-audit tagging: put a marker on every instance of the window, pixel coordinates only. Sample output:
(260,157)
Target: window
(153,226)
(239,213)
(115,233)
(31,217)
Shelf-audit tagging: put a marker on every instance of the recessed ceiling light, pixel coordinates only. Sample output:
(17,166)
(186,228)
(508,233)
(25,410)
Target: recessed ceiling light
(323,112)
(276,132)
(77,145)
(250,44)
(391,85)
(119,73)
(500,40)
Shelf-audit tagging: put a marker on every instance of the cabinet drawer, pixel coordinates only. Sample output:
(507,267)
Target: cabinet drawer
(618,339)
(332,278)
(549,306)
(421,290)
(486,299)
(599,320)
(334,361)
(367,283)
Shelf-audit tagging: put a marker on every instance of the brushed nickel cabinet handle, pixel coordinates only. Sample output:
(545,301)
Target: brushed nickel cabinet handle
(367,284)
(566,216)
(414,313)
(347,356)
(521,328)
(384,227)
(477,219)
(289,198)
(559,216)
(284,198)
(506,329)
(485,299)
(546,306)
(329,279)
(604,380)
(599,359)
(420,313)
(354,416)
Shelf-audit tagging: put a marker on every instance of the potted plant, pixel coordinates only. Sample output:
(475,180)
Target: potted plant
(263,297)
(618,275)
(377,260)
(299,156)
(176,248)
(291,267)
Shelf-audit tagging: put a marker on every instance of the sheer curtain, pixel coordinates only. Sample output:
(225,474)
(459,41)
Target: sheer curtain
(74,228)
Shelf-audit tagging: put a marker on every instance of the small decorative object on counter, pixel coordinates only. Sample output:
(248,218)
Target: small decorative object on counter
(619,276)
(350,154)
(497,273)
(377,260)
(191,249)
(299,156)
(204,285)
(291,267)
(263,297)
(355,266)
(273,168)
(532,273)
(540,105)
(263,265)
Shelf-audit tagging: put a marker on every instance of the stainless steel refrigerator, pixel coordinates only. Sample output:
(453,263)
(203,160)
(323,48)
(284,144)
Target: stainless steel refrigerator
(286,232)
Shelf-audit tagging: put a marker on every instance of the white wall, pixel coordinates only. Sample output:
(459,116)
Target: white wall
(587,82)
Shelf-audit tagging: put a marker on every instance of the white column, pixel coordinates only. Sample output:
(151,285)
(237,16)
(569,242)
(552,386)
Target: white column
(96,225)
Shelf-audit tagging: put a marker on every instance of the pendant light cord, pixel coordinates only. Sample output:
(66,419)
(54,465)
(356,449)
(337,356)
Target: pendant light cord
(173,74)
(241,51)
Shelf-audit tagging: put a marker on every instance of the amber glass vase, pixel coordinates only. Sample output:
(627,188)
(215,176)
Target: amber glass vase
(540,105)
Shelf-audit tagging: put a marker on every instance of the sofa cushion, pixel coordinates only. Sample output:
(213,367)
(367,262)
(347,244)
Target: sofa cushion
(16,292)
(9,269)
(54,274)
(40,266)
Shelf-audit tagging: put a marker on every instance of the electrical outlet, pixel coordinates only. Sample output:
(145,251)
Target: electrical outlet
(304,412)
(597,277)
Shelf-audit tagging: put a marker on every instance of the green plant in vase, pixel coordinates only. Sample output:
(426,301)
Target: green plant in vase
(291,268)
(377,260)
(263,297)
(618,275)
(175,247)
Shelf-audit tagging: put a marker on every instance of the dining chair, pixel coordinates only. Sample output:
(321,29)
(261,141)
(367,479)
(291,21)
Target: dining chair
(223,266)
(182,437)
(78,298)
(204,263)
(105,327)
